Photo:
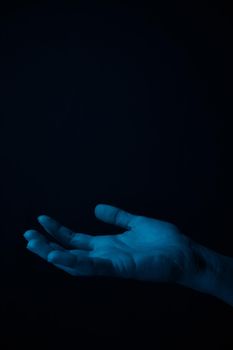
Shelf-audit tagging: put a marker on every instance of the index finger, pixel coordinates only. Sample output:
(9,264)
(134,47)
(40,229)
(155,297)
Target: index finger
(65,235)
(55,229)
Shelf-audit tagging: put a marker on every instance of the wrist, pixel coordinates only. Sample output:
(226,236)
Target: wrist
(209,272)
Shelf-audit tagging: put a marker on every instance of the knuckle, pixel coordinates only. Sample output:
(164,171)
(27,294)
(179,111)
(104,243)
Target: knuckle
(117,217)
(138,219)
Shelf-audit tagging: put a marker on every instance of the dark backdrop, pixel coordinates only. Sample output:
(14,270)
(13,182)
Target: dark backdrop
(119,103)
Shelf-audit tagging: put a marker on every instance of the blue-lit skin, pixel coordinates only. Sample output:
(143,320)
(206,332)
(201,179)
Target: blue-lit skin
(148,250)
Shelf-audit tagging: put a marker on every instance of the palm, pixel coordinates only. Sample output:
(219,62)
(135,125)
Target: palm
(149,249)
(148,246)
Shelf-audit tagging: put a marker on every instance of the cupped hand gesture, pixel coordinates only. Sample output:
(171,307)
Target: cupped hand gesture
(148,249)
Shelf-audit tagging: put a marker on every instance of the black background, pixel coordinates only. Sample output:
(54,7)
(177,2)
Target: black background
(120,103)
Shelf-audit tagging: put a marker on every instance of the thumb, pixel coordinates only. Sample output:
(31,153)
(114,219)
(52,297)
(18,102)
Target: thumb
(114,215)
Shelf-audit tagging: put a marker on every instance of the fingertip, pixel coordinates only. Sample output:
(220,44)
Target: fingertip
(99,208)
(43,218)
(53,256)
(30,234)
(32,244)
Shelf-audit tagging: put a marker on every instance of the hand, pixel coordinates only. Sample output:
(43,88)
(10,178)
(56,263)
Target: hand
(149,249)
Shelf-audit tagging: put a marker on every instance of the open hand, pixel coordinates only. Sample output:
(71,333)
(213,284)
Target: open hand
(148,249)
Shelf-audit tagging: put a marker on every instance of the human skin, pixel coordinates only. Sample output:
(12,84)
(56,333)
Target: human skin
(147,250)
